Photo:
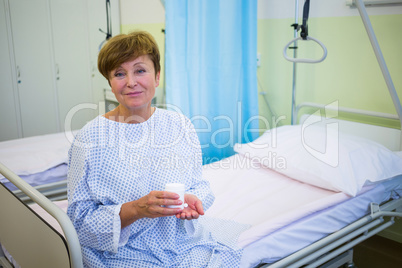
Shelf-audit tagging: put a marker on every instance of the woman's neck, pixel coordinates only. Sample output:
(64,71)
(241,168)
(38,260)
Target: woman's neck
(123,115)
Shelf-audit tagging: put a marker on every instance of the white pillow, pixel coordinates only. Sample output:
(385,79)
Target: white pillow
(323,157)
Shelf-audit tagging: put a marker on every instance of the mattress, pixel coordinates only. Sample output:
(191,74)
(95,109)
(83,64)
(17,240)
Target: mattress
(37,160)
(285,215)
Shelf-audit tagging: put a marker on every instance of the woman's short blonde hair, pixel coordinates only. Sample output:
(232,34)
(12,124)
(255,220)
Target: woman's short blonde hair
(125,47)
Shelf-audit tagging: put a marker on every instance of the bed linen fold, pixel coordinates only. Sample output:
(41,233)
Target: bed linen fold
(253,195)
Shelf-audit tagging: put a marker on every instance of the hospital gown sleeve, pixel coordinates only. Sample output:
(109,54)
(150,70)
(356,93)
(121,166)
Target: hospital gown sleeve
(98,225)
(199,186)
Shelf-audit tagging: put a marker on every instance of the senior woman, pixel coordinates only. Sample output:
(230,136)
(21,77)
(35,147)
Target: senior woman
(119,164)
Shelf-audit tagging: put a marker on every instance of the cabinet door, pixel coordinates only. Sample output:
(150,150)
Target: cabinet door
(71,51)
(9,111)
(33,58)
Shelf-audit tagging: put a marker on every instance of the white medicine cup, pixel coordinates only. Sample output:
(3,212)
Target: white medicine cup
(177,188)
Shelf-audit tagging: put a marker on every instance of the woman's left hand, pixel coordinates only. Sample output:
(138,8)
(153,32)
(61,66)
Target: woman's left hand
(193,210)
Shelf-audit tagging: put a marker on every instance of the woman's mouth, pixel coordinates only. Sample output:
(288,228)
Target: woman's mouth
(134,94)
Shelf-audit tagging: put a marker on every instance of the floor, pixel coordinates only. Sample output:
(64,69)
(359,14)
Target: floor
(378,252)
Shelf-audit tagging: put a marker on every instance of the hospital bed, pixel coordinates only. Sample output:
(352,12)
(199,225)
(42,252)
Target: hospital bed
(41,161)
(294,223)
(290,222)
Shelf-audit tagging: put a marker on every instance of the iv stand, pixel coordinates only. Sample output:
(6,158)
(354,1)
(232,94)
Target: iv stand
(293,115)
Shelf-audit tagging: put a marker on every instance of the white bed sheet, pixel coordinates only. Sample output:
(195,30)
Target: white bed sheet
(38,160)
(285,215)
(36,154)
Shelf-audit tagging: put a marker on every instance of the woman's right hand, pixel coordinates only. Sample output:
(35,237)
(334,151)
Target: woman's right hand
(153,205)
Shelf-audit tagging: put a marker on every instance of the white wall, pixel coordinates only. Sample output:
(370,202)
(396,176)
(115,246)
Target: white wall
(280,9)
(140,12)
(152,11)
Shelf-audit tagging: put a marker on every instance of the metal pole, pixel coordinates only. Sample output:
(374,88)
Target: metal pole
(294,65)
(377,50)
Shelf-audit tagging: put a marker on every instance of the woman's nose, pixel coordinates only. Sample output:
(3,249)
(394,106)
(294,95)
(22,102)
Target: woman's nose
(131,81)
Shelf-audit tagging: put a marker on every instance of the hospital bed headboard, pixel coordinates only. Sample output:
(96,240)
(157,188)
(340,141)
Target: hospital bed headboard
(25,236)
(389,137)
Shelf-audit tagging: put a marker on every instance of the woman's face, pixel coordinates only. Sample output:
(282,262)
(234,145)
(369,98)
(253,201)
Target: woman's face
(134,82)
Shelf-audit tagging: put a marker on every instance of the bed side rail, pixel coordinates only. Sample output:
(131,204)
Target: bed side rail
(65,223)
(53,191)
(341,241)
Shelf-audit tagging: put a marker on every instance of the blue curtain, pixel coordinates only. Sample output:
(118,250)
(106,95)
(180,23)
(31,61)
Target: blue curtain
(211,70)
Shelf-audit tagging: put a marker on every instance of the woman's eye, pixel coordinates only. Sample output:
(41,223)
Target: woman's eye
(119,74)
(140,71)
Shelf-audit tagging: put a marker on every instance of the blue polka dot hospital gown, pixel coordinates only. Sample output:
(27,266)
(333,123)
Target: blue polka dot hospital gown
(111,163)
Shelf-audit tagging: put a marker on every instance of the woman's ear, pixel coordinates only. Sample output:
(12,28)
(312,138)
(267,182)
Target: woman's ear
(157,79)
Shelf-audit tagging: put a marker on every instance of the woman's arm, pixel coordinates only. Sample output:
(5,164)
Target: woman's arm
(199,196)
(97,224)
